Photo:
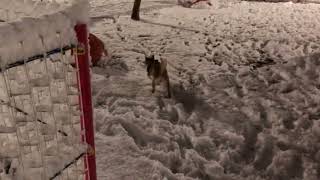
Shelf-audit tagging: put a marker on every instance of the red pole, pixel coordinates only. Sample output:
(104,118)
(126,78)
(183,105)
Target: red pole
(82,62)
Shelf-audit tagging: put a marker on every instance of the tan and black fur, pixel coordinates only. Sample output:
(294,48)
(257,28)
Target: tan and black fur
(157,72)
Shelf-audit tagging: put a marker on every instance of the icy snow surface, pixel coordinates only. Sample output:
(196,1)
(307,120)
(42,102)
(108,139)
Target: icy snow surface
(246,86)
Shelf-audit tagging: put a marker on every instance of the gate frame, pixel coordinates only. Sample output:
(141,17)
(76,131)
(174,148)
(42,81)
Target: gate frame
(84,82)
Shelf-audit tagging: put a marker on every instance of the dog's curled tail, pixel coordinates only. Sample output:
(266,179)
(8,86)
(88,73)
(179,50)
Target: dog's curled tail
(163,65)
(107,54)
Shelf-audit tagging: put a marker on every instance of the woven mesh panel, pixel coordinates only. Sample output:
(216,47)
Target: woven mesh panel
(40,133)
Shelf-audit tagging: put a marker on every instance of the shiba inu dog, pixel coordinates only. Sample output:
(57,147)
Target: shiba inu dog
(157,72)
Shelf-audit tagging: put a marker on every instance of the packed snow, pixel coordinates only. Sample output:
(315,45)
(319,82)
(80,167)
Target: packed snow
(245,82)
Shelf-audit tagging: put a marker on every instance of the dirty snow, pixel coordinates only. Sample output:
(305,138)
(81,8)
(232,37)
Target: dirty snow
(245,82)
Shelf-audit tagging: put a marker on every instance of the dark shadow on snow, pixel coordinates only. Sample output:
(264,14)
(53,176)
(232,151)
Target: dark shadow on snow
(169,25)
(187,98)
(114,15)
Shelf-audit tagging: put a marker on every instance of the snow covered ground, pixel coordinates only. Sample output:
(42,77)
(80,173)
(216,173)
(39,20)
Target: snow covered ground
(246,90)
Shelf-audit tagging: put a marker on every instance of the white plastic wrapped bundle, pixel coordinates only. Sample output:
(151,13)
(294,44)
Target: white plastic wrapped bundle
(36,21)
(41,127)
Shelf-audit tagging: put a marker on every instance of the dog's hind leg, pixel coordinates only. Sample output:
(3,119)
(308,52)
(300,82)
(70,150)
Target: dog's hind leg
(168,87)
(153,86)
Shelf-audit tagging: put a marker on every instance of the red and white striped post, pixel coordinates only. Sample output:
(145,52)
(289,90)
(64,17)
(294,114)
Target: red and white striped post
(82,63)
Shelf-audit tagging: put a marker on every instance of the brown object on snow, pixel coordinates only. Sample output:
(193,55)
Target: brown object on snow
(97,49)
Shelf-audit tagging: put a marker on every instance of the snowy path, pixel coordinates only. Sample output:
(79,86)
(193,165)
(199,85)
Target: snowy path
(246,90)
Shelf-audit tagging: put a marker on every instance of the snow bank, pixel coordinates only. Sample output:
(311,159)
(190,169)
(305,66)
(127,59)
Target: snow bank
(33,28)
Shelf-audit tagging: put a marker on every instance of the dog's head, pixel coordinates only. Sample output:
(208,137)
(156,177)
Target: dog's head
(149,59)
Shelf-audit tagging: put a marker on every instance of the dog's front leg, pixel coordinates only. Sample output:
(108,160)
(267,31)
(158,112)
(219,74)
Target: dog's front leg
(153,86)
(168,88)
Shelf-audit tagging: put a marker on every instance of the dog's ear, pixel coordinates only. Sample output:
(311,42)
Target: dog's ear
(151,57)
